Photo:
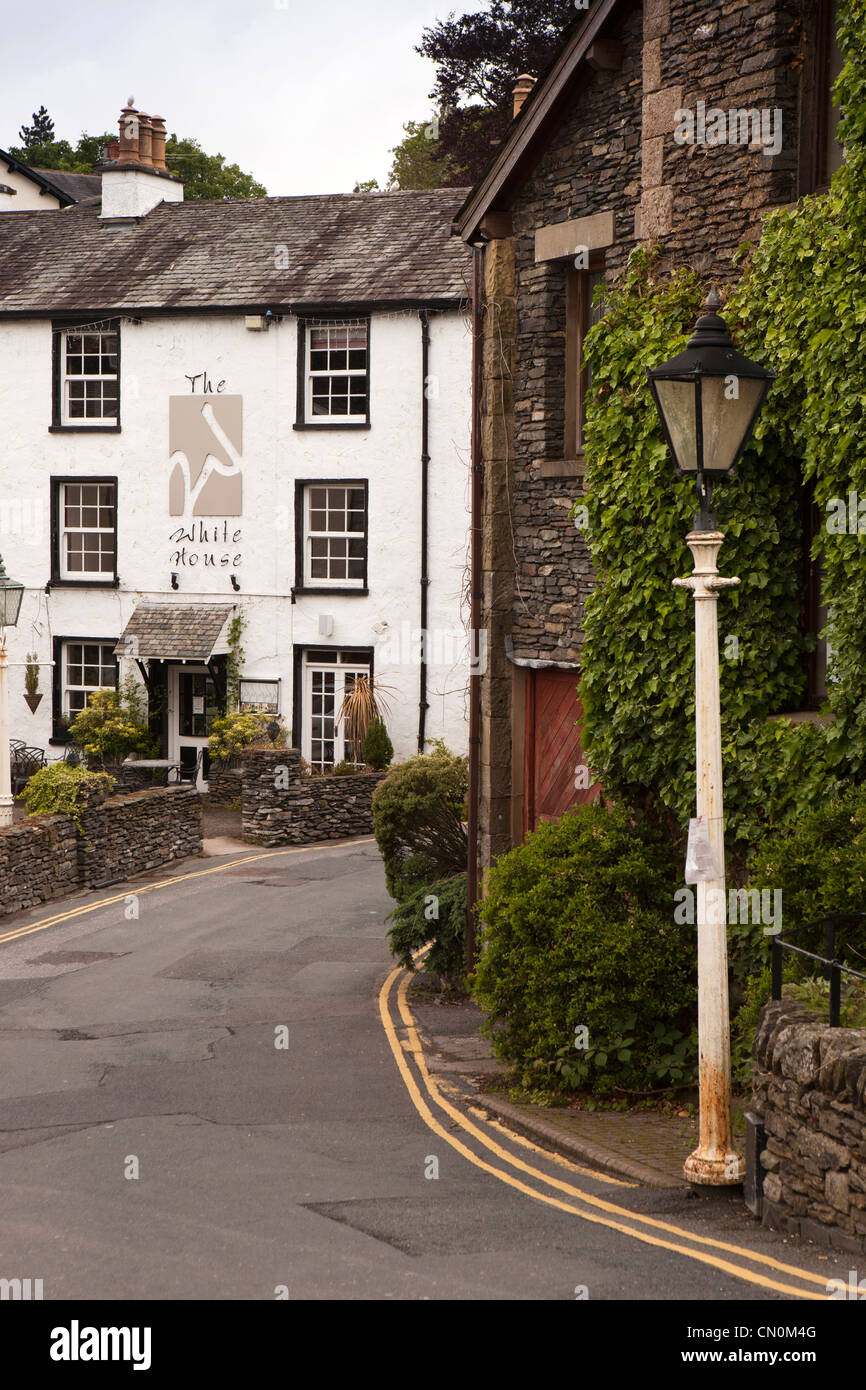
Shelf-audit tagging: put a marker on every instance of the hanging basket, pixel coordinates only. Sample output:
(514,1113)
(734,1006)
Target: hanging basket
(33,702)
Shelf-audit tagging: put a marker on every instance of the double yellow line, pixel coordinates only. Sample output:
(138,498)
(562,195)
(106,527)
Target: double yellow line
(139,890)
(639,1227)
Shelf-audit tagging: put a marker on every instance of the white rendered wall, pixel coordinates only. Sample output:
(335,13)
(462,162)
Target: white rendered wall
(157,356)
(28,197)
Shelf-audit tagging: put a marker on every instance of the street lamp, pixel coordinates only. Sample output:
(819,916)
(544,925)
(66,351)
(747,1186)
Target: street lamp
(708,399)
(11,594)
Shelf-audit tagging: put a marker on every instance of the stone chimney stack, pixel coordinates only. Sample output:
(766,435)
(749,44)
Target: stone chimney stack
(134,176)
(522,87)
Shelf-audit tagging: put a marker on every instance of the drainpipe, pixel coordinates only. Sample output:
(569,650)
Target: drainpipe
(425,470)
(474,613)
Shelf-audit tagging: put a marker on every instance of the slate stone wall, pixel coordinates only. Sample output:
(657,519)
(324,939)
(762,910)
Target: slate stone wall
(810,1092)
(45,857)
(129,834)
(38,862)
(615,153)
(283,807)
(223,784)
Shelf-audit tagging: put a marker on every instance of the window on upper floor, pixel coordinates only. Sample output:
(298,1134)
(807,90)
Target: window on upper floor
(821,153)
(581,312)
(333,373)
(331,535)
(84,530)
(87,376)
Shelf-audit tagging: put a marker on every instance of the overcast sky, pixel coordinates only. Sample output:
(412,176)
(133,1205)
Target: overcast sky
(307,95)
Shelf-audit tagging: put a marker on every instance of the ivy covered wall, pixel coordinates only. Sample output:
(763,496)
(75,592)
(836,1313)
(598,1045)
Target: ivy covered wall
(800,308)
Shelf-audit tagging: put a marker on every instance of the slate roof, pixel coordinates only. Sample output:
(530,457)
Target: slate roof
(75,186)
(166,631)
(340,249)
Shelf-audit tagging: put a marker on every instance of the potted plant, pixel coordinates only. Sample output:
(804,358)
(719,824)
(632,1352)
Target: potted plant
(31,682)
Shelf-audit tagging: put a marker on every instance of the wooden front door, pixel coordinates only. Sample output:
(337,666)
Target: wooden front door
(554,752)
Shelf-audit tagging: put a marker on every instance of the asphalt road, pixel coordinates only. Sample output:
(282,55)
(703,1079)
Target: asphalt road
(205,1092)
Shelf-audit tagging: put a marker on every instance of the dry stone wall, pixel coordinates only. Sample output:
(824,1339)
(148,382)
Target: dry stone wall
(281,806)
(810,1093)
(45,857)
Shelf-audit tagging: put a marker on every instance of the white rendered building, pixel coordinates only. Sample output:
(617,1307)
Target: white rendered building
(211,409)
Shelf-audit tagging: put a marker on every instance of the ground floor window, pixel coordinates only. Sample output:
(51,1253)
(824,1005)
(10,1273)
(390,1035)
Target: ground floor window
(87,667)
(327,678)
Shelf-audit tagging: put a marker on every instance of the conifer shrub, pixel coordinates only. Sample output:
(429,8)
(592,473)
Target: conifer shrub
(418,815)
(378,748)
(435,913)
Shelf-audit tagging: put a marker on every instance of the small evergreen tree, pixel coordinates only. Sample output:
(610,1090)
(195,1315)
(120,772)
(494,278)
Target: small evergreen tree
(378,748)
(41,132)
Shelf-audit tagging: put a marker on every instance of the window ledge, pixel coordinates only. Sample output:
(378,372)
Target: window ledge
(332,425)
(84,429)
(331,589)
(562,468)
(803,716)
(83,584)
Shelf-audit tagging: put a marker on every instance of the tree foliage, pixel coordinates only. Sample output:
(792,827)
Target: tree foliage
(205,176)
(478,57)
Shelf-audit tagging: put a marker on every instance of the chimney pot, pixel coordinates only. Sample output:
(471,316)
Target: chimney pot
(522,87)
(145,137)
(129,129)
(157,124)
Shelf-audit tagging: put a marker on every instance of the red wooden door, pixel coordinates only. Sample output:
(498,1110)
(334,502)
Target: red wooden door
(554,753)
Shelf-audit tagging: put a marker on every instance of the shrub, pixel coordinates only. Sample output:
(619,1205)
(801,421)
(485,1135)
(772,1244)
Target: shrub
(378,748)
(230,734)
(819,864)
(114,724)
(418,813)
(62,789)
(437,913)
(578,933)
(346,769)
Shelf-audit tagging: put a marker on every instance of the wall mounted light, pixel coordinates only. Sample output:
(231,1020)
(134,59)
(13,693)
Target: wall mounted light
(174,581)
(235,585)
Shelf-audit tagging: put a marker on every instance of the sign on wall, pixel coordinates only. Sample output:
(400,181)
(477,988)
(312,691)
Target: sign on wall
(260,697)
(205,440)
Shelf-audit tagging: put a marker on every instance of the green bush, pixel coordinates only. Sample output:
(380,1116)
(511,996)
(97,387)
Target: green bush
(114,724)
(62,789)
(418,813)
(437,913)
(579,934)
(378,748)
(819,865)
(345,769)
(230,734)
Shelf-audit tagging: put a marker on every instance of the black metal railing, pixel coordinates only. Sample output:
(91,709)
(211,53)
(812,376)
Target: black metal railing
(833,968)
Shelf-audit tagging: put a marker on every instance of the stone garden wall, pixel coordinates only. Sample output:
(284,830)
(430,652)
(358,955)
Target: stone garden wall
(38,862)
(283,807)
(223,784)
(45,857)
(810,1093)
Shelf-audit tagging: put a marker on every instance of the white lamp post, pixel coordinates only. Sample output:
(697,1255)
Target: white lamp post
(10,605)
(708,399)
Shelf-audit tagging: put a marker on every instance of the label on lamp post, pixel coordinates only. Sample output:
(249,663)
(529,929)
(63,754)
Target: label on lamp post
(701,866)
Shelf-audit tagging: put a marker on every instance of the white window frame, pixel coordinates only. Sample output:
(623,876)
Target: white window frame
(64,570)
(330,581)
(314,665)
(67,377)
(107,660)
(312,374)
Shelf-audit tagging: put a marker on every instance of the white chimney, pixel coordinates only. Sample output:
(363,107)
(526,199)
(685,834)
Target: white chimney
(134,176)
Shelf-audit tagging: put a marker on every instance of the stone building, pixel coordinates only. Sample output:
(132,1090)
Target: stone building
(671,121)
(254,408)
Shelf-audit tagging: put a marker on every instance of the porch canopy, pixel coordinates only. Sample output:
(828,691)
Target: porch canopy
(175,632)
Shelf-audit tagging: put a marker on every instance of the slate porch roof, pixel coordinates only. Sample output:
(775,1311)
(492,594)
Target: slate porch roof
(256,253)
(174,632)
